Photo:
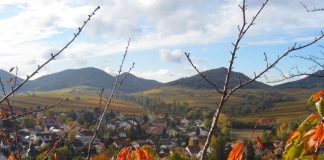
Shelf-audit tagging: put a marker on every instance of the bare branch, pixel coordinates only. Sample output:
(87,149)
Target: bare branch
(311,10)
(251,136)
(272,65)
(43,109)
(14,123)
(201,74)
(53,56)
(114,91)
(242,31)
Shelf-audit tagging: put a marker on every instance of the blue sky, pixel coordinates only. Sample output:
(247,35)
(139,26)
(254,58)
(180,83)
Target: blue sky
(161,30)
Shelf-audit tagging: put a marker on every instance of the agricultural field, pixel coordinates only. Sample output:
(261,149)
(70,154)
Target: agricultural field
(79,98)
(206,99)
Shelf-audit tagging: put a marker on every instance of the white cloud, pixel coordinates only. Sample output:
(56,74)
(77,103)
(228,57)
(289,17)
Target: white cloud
(174,56)
(41,25)
(162,75)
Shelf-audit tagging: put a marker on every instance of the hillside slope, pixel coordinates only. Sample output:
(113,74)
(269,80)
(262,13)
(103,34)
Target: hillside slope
(217,77)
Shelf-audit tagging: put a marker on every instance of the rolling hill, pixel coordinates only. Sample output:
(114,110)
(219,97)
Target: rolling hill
(217,77)
(307,82)
(91,77)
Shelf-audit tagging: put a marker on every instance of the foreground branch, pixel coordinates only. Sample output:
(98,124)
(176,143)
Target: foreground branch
(114,91)
(311,10)
(242,31)
(53,56)
(35,111)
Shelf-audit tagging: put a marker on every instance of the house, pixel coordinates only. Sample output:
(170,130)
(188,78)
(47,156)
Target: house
(202,132)
(184,121)
(50,123)
(44,137)
(158,126)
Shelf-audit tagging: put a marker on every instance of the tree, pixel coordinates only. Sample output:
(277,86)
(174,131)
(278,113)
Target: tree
(29,122)
(71,137)
(218,149)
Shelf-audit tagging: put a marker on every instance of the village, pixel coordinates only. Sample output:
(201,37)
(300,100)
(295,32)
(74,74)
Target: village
(165,134)
(40,132)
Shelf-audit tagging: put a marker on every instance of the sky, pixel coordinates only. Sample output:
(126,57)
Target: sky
(160,31)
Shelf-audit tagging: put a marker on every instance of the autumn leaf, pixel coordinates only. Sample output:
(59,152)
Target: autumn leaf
(315,97)
(260,144)
(149,152)
(4,113)
(12,157)
(236,152)
(140,155)
(318,95)
(55,156)
(292,136)
(314,138)
(294,145)
(10,81)
(320,106)
(122,155)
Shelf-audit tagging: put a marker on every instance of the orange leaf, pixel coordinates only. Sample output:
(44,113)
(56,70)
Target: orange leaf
(236,152)
(123,153)
(140,155)
(260,144)
(292,136)
(314,138)
(12,157)
(318,95)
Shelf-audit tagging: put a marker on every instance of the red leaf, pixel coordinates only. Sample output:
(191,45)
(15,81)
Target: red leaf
(314,138)
(260,144)
(318,95)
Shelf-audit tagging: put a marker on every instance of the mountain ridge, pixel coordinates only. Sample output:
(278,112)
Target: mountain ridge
(94,77)
(217,77)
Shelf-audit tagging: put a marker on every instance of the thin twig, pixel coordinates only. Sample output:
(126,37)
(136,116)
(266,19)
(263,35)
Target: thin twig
(201,74)
(35,111)
(225,93)
(311,10)
(114,91)
(53,56)
(251,136)
(272,65)
(14,121)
